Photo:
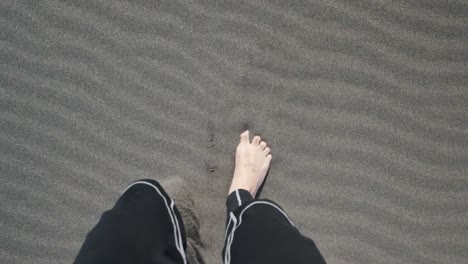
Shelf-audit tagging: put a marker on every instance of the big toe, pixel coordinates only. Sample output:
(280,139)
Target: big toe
(244,137)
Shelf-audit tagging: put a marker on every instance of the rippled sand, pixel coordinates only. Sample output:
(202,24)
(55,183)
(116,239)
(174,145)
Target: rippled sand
(364,104)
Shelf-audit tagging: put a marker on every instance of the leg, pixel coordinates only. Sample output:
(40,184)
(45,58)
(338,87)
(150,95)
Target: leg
(144,226)
(259,231)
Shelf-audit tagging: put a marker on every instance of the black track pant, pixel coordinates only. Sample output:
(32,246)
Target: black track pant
(144,226)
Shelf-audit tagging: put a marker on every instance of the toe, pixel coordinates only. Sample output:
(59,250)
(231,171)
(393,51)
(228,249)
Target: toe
(256,140)
(244,137)
(268,158)
(263,145)
(267,150)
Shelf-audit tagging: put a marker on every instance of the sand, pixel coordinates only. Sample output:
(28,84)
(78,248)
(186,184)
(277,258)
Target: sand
(364,104)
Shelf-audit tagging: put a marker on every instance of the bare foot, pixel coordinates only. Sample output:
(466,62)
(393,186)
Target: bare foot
(252,163)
